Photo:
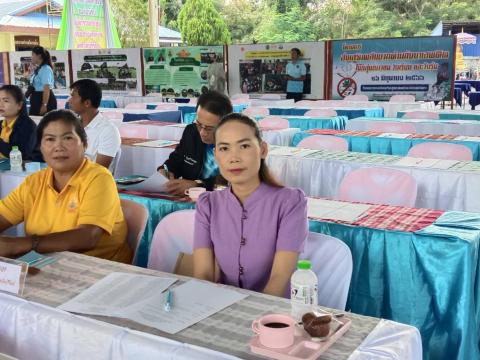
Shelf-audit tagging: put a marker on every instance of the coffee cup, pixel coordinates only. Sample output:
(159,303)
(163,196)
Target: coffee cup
(275,331)
(32,167)
(194,192)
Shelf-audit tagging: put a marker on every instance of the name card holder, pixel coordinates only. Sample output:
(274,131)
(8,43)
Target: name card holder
(12,275)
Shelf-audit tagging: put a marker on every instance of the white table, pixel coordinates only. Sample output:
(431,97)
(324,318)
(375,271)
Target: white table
(124,100)
(140,160)
(423,126)
(271,103)
(437,189)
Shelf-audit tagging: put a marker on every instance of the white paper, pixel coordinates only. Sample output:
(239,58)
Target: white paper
(394,135)
(335,210)
(154,184)
(416,162)
(117,293)
(10,277)
(157,143)
(192,302)
(290,151)
(445,164)
(464,138)
(178,125)
(139,298)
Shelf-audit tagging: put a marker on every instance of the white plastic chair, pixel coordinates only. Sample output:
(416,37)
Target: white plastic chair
(401,98)
(113,115)
(256,111)
(172,237)
(332,261)
(136,216)
(392,127)
(273,123)
(327,142)
(321,112)
(355,98)
(240,97)
(136,106)
(305,103)
(116,160)
(440,150)
(134,131)
(421,115)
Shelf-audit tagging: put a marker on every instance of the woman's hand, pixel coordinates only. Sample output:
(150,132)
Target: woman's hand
(43,109)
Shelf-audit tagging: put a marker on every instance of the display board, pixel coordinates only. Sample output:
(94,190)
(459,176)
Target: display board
(179,71)
(4,78)
(118,71)
(380,68)
(21,69)
(261,68)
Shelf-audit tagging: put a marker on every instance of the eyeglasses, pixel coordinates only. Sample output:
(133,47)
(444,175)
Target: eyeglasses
(200,126)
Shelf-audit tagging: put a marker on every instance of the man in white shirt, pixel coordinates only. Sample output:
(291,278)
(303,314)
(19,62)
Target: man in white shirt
(103,136)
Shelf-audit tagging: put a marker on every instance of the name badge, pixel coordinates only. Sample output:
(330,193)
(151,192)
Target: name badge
(12,275)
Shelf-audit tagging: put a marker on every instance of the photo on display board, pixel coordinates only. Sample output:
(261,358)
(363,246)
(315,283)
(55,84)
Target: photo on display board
(110,71)
(180,71)
(23,70)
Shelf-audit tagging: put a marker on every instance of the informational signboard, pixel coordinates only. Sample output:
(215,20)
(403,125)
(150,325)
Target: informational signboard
(3,68)
(118,71)
(261,68)
(179,71)
(21,69)
(87,24)
(381,68)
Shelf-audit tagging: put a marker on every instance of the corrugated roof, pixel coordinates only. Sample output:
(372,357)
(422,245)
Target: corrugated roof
(10,7)
(164,32)
(31,20)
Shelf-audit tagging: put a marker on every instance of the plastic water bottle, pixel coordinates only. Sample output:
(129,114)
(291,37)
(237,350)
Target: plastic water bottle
(15,159)
(303,290)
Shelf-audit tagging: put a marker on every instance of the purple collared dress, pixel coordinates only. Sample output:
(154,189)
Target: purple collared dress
(245,239)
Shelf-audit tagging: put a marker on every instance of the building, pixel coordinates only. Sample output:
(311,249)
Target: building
(168,37)
(28,23)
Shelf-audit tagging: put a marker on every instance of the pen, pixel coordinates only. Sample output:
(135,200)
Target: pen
(168,301)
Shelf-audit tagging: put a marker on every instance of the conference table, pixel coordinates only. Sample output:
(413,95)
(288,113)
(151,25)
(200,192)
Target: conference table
(174,116)
(422,126)
(450,114)
(389,143)
(54,334)
(314,122)
(188,109)
(443,185)
(349,112)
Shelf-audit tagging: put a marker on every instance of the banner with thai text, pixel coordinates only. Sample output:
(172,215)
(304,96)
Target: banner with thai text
(380,68)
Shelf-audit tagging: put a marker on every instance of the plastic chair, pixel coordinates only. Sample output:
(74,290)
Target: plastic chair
(136,106)
(173,238)
(136,216)
(164,106)
(113,115)
(255,111)
(61,103)
(134,131)
(326,142)
(441,150)
(421,115)
(402,99)
(321,112)
(240,97)
(392,127)
(273,123)
(331,260)
(304,103)
(116,160)
(379,186)
(356,98)
(271,97)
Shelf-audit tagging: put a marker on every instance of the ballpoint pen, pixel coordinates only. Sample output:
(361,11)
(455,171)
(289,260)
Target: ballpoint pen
(168,301)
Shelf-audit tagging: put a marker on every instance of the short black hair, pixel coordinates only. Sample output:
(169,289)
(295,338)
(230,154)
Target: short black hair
(88,90)
(17,94)
(68,117)
(297,50)
(215,103)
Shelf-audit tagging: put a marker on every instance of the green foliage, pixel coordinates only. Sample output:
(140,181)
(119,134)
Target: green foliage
(242,17)
(131,18)
(201,24)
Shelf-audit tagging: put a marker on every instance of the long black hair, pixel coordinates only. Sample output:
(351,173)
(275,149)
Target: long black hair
(263,172)
(46,58)
(17,94)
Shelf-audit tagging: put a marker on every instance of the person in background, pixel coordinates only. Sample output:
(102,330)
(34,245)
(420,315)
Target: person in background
(42,81)
(216,75)
(250,234)
(103,136)
(16,128)
(296,74)
(72,205)
(192,163)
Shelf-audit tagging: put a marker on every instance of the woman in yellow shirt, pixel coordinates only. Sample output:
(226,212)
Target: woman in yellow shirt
(72,205)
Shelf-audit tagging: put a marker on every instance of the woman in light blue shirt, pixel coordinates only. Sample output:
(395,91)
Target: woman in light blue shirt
(42,99)
(296,72)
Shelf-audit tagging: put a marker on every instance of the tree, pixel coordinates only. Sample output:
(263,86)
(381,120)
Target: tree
(242,17)
(170,10)
(131,18)
(201,24)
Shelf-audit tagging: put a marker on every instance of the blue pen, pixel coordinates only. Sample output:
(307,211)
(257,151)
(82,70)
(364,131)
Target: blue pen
(168,301)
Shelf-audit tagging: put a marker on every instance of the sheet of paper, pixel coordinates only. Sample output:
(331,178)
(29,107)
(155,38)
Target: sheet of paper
(394,135)
(445,164)
(178,125)
(154,184)
(468,138)
(416,162)
(117,293)
(459,121)
(291,151)
(157,143)
(335,210)
(192,302)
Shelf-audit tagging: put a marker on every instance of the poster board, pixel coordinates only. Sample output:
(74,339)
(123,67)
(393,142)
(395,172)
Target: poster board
(261,68)
(118,71)
(21,69)
(179,71)
(380,68)
(4,73)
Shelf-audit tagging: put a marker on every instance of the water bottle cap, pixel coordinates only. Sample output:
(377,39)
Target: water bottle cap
(14,147)
(304,265)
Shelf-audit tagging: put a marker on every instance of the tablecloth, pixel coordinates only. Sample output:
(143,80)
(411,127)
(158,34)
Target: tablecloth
(349,113)
(452,114)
